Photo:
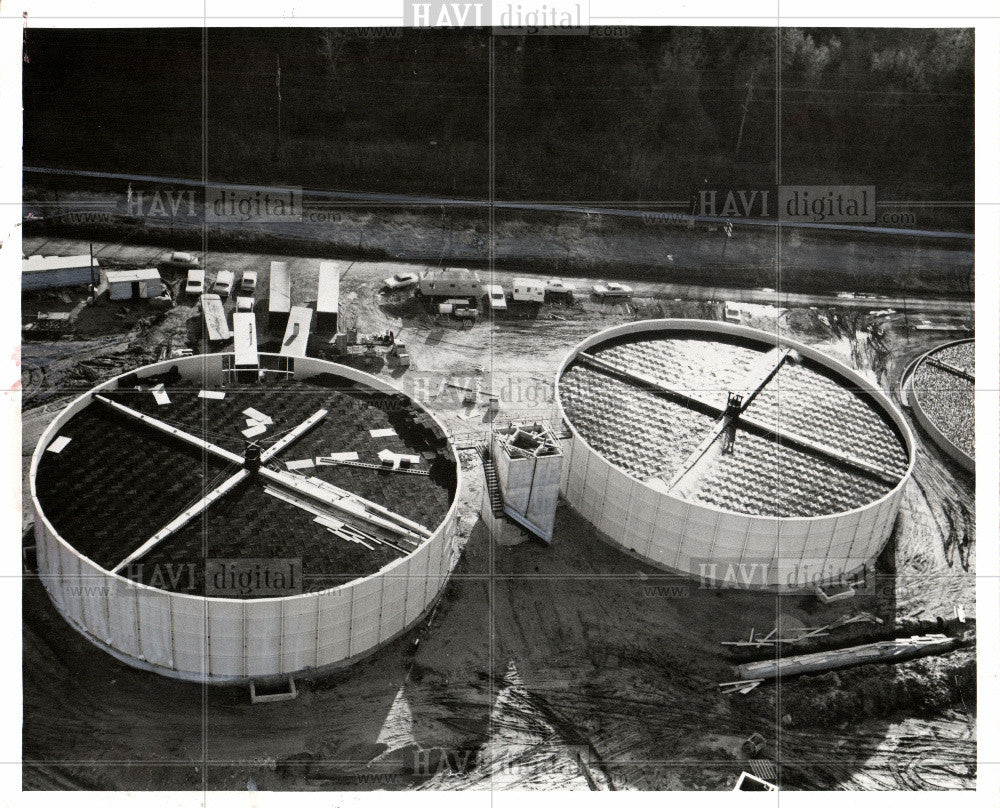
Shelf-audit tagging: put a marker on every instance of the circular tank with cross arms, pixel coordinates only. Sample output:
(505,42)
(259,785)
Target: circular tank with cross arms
(731,454)
(215,530)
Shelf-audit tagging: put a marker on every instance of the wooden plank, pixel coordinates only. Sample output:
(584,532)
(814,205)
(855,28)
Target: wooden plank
(293,436)
(186,516)
(349,503)
(180,434)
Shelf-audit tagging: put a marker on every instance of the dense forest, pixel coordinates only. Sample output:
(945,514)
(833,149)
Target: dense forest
(650,115)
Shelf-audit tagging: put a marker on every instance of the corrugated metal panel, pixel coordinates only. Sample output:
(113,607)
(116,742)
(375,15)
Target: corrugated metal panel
(56,278)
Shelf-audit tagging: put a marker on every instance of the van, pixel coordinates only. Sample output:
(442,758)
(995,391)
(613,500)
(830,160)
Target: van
(529,290)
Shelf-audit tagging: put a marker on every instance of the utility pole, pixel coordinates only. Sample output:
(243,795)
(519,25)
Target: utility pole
(277,84)
(94,283)
(746,108)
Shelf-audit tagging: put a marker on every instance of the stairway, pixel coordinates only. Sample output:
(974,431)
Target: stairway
(492,482)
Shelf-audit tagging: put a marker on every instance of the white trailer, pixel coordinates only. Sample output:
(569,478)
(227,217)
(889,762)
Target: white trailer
(125,284)
(450,282)
(56,272)
(246,361)
(529,290)
(328,298)
(296,338)
(214,314)
(279,302)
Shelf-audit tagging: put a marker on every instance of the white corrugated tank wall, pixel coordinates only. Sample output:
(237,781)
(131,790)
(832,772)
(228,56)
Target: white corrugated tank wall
(707,542)
(222,639)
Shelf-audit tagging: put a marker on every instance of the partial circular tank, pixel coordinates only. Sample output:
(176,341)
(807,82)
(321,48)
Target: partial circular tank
(941,394)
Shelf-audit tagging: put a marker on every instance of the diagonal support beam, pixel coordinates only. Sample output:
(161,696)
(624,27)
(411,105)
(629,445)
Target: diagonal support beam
(767,428)
(783,435)
(176,524)
(761,371)
(180,434)
(293,436)
(949,368)
(347,502)
(690,399)
(757,376)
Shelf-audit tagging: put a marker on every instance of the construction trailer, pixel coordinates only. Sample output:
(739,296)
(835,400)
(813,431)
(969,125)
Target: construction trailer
(214,315)
(126,284)
(450,282)
(328,298)
(279,301)
(246,361)
(59,272)
(296,339)
(528,460)
(529,290)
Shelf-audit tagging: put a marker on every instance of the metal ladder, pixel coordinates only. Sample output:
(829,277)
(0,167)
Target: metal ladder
(492,481)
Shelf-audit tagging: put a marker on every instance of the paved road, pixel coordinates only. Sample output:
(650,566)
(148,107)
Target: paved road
(144,254)
(405,199)
(798,300)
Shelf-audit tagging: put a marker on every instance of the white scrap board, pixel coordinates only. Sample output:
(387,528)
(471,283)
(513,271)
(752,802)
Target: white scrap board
(161,397)
(329,522)
(295,465)
(58,444)
(257,415)
(389,432)
(254,431)
(339,456)
(218,395)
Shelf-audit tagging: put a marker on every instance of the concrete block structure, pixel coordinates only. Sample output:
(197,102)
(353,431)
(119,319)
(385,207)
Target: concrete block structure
(528,462)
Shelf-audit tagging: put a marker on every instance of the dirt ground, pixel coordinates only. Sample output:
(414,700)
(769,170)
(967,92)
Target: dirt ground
(570,666)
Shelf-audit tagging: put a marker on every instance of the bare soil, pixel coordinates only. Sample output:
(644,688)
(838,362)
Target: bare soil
(570,666)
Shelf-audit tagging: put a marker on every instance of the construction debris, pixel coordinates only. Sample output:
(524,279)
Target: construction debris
(258,416)
(58,444)
(896,650)
(753,745)
(803,632)
(160,395)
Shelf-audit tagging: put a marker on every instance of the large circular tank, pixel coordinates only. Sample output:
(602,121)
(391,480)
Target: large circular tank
(730,454)
(941,393)
(218,531)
